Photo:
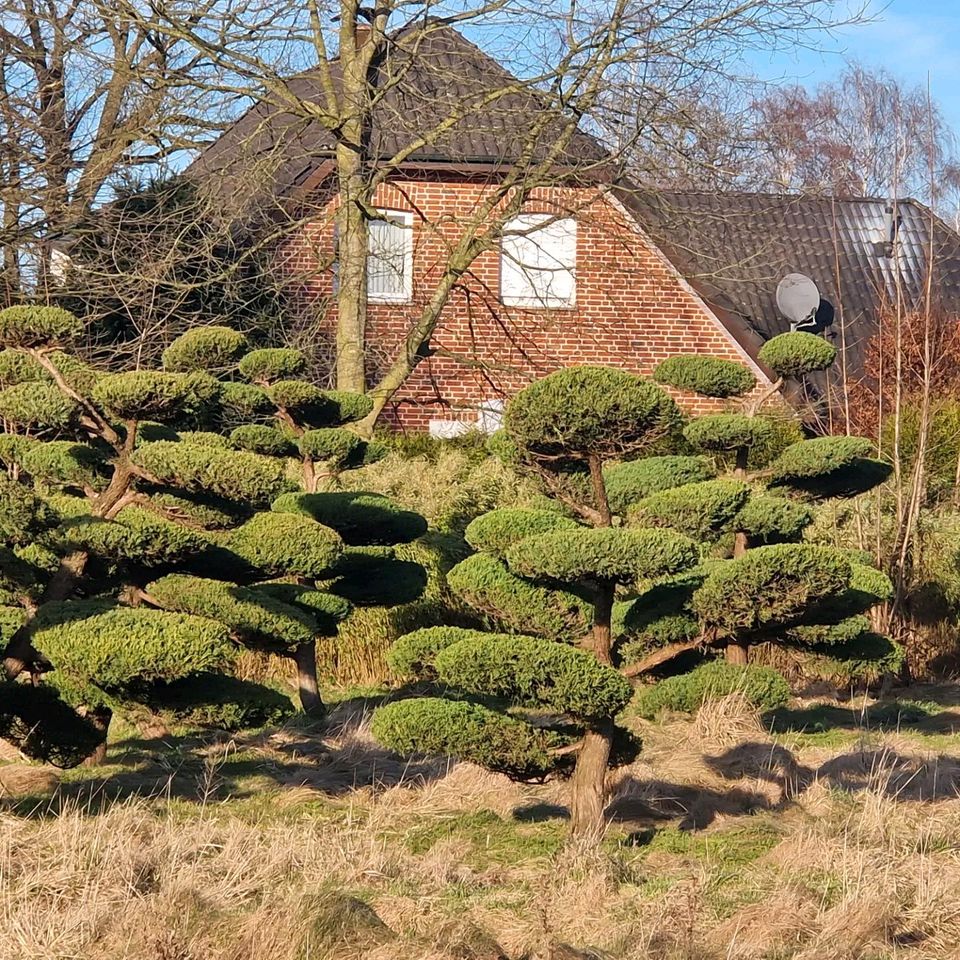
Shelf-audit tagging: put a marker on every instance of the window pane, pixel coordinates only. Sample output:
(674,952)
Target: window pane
(390,260)
(538,263)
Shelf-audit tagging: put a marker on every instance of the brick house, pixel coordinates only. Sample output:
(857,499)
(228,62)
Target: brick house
(592,270)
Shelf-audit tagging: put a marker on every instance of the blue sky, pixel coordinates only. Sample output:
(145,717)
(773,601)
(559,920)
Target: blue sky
(913,39)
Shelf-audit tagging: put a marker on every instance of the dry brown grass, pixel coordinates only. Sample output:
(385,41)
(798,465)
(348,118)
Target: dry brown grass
(331,850)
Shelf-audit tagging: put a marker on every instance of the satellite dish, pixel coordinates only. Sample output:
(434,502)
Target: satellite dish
(798,299)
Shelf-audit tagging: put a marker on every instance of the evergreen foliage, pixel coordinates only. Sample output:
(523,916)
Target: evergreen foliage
(495,532)
(707,565)
(204,349)
(30,326)
(797,354)
(761,686)
(708,376)
(121,486)
(470,731)
(700,510)
(629,482)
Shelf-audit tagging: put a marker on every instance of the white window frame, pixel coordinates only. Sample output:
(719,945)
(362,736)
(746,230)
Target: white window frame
(404,219)
(523,228)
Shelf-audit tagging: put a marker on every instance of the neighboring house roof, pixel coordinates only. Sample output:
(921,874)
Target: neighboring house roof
(863,253)
(425,76)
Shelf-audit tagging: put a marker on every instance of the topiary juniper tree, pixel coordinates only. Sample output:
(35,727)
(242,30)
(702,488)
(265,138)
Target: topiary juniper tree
(159,547)
(270,413)
(593,580)
(554,579)
(773,589)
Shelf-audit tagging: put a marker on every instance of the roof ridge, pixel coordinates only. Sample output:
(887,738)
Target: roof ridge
(775,195)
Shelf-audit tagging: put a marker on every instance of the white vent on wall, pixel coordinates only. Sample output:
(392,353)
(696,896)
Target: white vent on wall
(489,420)
(449,429)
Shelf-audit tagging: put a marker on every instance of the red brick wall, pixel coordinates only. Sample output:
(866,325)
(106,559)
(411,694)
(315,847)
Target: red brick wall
(632,310)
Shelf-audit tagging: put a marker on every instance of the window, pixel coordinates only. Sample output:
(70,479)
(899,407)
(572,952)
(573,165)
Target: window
(538,261)
(390,258)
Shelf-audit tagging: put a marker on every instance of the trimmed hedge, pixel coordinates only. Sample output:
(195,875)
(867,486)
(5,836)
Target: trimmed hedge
(608,553)
(14,447)
(832,634)
(413,656)
(267,441)
(862,660)
(587,410)
(813,458)
(467,731)
(767,519)
(538,673)
(206,438)
(18,367)
(727,432)
(708,376)
(495,532)
(770,587)
(37,326)
(37,404)
(112,648)
(628,482)
(361,519)
(271,364)
(64,462)
(347,406)
(389,583)
(208,511)
(23,516)
(335,444)
(200,468)
(152,395)
(204,348)
(488,586)
(220,701)
(298,397)
(243,400)
(137,535)
(659,616)
(850,481)
(251,615)
(761,686)
(326,610)
(702,510)
(797,354)
(286,544)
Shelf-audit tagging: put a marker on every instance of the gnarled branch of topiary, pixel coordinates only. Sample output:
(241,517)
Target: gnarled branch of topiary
(95,418)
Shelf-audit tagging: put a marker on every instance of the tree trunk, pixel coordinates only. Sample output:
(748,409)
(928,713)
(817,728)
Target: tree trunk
(305,657)
(352,231)
(588,784)
(100,717)
(738,653)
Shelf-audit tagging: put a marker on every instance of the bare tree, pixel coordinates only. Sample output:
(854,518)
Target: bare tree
(89,96)
(854,136)
(565,57)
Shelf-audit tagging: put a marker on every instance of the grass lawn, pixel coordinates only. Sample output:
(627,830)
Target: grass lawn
(819,833)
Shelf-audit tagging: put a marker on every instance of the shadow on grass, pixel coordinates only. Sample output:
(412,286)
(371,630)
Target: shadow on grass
(642,804)
(922,716)
(883,771)
(331,758)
